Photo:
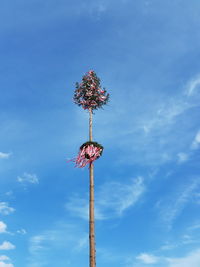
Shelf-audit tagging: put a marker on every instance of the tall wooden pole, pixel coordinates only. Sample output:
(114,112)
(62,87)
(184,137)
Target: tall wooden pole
(91,206)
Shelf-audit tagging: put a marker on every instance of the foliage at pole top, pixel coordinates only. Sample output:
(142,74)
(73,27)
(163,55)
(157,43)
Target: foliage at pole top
(89,93)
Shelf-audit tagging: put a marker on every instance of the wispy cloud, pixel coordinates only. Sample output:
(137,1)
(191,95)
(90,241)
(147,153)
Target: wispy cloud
(169,246)
(28,178)
(156,135)
(5,209)
(193,86)
(79,207)
(172,207)
(196,141)
(4,258)
(3,228)
(192,259)
(4,261)
(116,198)
(195,226)
(9,193)
(36,242)
(180,242)
(68,238)
(112,199)
(6,245)
(73,237)
(4,155)
(4,264)
(82,243)
(147,258)
(109,256)
(182,157)
(22,232)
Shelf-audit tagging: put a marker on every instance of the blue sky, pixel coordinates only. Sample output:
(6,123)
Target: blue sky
(147,184)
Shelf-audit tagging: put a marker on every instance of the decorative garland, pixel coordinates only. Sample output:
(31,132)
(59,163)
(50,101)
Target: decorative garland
(89,93)
(89,152)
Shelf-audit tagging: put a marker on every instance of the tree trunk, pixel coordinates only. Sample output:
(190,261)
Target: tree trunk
(91,208)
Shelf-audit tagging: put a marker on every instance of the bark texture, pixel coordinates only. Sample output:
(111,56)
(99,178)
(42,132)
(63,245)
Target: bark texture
(91,206)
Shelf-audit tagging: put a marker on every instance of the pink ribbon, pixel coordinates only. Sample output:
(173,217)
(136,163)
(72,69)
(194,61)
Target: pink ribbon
(87,155)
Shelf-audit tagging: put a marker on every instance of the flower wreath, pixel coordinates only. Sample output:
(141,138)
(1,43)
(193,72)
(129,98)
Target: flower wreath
(89,152)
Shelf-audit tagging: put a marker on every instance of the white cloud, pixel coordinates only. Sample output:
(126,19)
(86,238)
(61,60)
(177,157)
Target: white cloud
(3,227)
(28,178)
(5,209)
(4,258)
(196,142)
(7,246)
(195,226)
(147,258)
(36,242)
(62,235)
(166,114)
(3,264)
(79,207)
(117,197)
(4,155)
(9,193)
(174,205)
(61,238)
(190,260)
(110,256)
(112,199)
(168,246)
(82,243)
(185,239)
(182,157)
(193,86)
(22,232)
(156,136)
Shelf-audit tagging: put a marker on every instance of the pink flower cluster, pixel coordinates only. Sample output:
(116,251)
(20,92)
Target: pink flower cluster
(87,155)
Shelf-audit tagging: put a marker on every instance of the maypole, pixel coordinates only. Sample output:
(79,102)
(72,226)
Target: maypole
(91,204)
(90,96)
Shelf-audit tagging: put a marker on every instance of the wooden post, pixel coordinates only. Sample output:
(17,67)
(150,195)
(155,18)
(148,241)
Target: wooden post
(90,125)
(91,206)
